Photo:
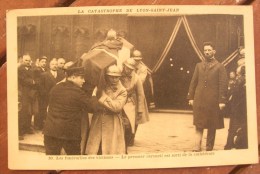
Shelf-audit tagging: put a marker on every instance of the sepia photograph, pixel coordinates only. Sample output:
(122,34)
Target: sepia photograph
(130,87)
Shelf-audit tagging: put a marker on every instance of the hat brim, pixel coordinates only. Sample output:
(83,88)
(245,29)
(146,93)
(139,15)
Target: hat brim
(129,66)
(75,74)
(113,74)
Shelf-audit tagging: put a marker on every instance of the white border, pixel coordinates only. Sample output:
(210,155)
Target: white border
(230,157)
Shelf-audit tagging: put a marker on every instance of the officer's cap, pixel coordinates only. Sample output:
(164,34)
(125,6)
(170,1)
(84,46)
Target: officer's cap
(76,71)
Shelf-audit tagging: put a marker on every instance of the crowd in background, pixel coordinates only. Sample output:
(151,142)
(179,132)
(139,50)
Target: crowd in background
(41,109)
(118,108)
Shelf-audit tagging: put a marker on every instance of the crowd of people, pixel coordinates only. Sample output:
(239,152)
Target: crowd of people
(51,97)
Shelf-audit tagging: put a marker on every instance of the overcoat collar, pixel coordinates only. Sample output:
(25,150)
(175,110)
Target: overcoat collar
(210,64)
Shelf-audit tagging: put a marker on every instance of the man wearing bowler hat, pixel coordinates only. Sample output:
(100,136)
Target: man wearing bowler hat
(68,103)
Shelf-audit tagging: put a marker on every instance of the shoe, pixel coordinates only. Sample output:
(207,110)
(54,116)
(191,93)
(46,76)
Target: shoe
(227,148)
(209,149)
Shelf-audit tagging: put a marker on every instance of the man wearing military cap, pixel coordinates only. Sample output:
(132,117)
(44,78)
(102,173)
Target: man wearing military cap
(140,68)
(145,77)
(106,134)
(135,109)
(68,103)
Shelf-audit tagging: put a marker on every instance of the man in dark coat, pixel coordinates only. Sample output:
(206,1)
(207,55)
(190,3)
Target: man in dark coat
(207,95)
(238,117)
(48,80)
(68,103)
(26,86)
(38,72)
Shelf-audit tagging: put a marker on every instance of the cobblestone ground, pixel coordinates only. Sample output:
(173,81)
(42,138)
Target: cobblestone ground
(165,132)
(168,132)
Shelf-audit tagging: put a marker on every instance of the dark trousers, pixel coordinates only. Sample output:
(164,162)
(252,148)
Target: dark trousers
(25,116)
(233,127)
(210,139)
(129,136)
(41,116)
(54,145)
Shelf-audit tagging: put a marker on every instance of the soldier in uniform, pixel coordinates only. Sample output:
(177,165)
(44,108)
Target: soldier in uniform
(207,95)
(135,109)
(145,77)
(106,134)
(63,124)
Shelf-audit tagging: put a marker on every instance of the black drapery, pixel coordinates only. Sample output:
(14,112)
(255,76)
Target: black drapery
(173,66)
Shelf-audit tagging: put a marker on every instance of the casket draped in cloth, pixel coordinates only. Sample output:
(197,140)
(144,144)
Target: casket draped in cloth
(95,63)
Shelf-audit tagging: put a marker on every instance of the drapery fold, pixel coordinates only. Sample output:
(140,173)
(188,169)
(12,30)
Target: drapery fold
(230,58)
(183,20)
(168,45)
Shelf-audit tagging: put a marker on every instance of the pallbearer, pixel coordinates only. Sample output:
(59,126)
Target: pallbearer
(135,109)
(68,103)
(106,131)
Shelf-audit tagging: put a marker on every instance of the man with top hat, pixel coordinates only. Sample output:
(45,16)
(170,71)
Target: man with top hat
(106,134)
(135,109)
(68,103)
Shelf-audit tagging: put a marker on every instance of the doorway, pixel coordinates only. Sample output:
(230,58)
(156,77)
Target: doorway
(171,81)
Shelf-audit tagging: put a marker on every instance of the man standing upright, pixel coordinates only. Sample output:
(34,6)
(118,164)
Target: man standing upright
(135,109)
(49,79)
(38,71)
(26,86)
(207,95)
(61,63)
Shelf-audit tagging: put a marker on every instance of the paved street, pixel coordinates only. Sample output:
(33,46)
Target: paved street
(165,132)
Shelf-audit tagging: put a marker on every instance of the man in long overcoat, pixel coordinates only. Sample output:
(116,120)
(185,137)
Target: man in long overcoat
(68,103)
(207,95)
(106,134)
(135,109)
(145,77)
(26,87)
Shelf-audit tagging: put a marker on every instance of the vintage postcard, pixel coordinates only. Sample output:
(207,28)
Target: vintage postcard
(131,87)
